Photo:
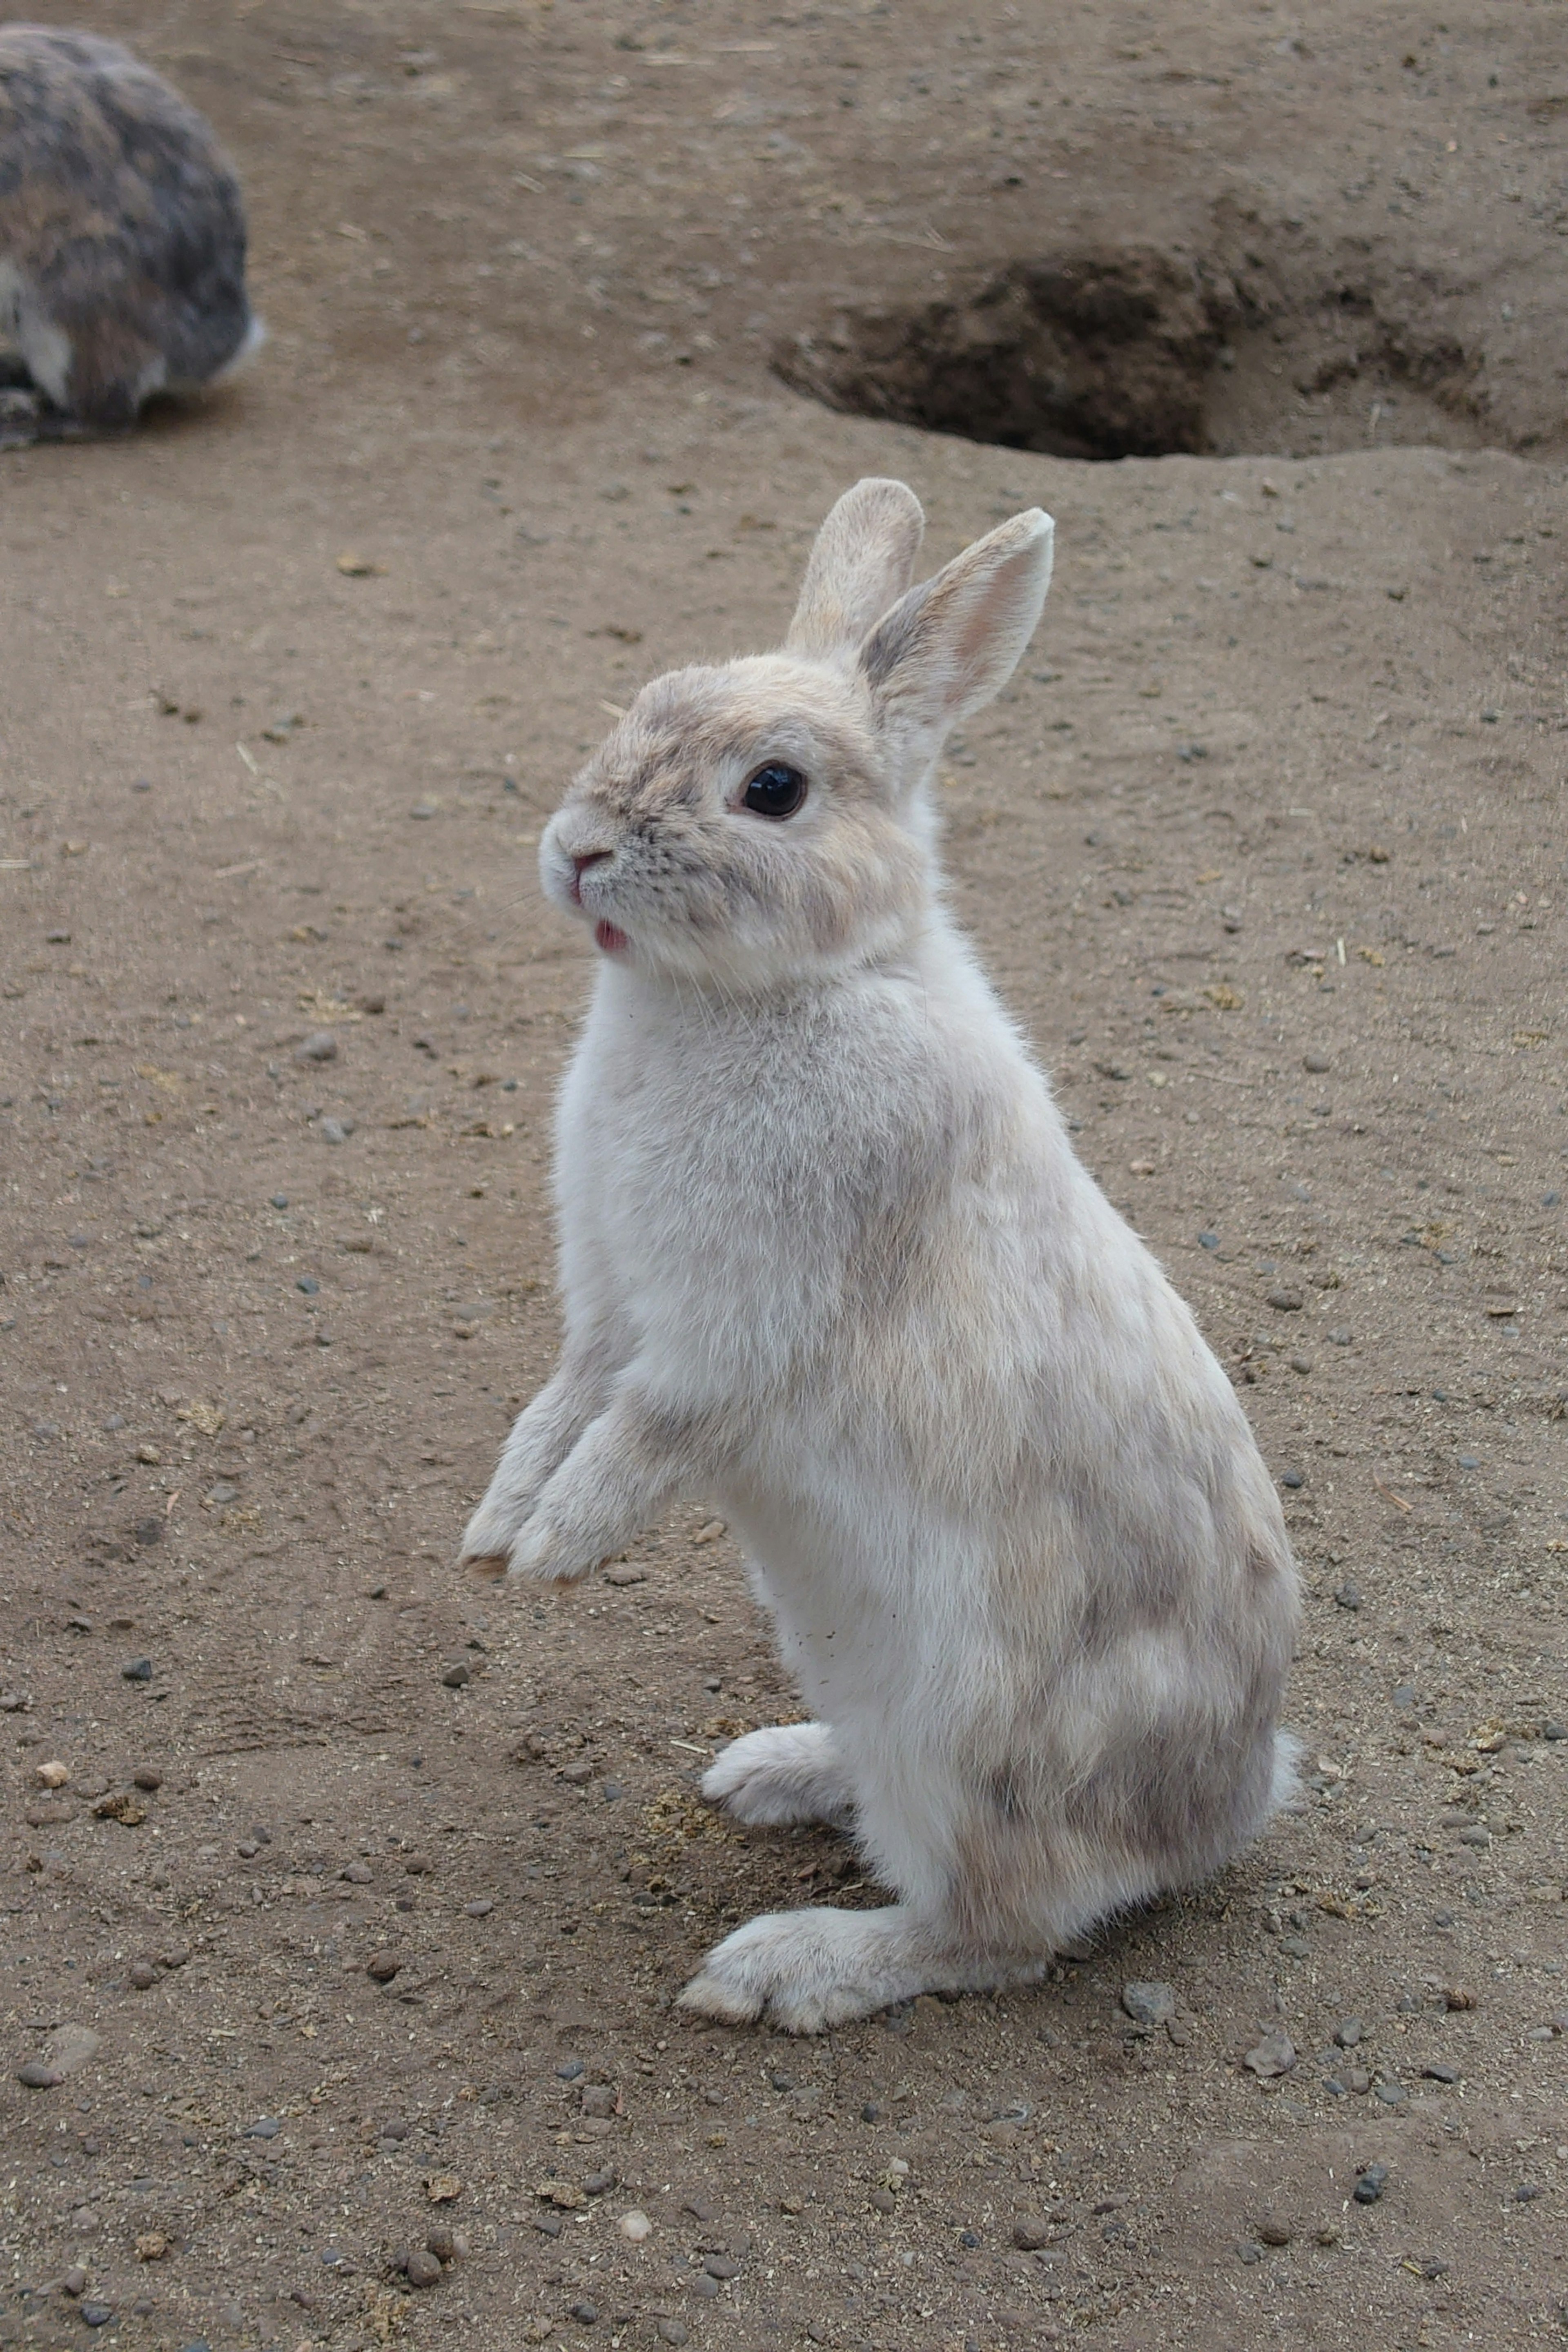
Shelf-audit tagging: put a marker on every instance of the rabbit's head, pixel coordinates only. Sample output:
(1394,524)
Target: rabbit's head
(768,819)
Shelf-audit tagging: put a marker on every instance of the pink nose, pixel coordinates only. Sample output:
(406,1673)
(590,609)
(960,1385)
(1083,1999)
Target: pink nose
(580,866)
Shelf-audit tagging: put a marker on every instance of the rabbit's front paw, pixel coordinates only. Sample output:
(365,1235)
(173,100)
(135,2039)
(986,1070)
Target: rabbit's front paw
(555,1551)
(490,1533)
(805,1970)
(789,1772)
(20,412)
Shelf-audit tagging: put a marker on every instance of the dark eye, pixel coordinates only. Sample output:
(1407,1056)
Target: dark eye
(774,790)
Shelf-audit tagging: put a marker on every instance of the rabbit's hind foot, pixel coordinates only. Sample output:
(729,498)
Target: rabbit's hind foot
(805,1970)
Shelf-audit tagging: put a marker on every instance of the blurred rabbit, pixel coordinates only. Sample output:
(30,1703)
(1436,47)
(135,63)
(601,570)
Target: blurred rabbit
(828,1259)
(121,239)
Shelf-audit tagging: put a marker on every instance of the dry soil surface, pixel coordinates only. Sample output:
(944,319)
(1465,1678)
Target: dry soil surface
(359,1915)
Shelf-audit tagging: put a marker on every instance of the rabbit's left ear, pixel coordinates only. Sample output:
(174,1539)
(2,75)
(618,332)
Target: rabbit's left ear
(951,644)
(863,560)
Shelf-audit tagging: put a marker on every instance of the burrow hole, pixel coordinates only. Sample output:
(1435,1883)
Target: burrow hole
(1127,350)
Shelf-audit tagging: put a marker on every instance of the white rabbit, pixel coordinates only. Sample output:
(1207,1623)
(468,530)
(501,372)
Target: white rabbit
(121,239)
(828,1260)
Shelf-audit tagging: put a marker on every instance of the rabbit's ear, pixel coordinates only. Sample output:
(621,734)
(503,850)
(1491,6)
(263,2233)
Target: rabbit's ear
(953,642)
(863,560)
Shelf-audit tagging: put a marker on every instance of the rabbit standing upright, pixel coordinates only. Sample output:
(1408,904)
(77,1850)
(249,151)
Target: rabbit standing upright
(828,1259)
(121,239)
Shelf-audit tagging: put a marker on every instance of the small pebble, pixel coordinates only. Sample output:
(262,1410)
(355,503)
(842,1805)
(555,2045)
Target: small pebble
(137,1670)
(1350,2033)
(673,2331)
(147,1777)
(1285,1302)
(33,2076)
(1317,1063)
(704,2285)
(479,1910)
(52,1775)
(322,1047)
(721,2266)
(1302,1364)
(1208,1241)
(456,1677)
(1148,2004)
(1348,1594)
(586,2314)
(1341,1337)
(636,2225)
(1393,2095)
(597,2183)
(74,2281)
(95,2315)
(1369,2187)
(1291,1478)
(570,2069)
(336,1131)
(1030,2233)
(446,2245)
(423,2270)
(383,1967)
(1273,2056)
(1274,2231)
(143,1975)
(1440,2072)
(264,2127)
(884,2200)
(358,1874)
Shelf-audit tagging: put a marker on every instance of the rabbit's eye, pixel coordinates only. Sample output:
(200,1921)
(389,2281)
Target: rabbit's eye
(774,790)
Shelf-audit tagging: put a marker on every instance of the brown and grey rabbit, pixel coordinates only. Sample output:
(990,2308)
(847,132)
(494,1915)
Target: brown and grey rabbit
(828,1259)
(121,239)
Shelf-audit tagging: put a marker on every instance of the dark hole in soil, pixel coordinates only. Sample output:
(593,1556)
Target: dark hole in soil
(1127,350)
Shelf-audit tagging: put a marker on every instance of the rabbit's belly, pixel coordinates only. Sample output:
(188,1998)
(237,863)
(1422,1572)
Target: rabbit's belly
(873,1613)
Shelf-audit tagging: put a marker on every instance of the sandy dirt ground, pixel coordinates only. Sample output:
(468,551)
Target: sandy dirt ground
(343,1959)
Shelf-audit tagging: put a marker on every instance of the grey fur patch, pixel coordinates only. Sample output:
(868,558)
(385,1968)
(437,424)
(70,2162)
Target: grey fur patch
(122,220)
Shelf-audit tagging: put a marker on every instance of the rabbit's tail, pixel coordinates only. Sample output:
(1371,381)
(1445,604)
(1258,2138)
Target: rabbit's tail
(255,336)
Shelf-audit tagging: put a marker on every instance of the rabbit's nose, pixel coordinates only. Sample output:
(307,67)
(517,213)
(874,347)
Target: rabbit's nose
(580,866)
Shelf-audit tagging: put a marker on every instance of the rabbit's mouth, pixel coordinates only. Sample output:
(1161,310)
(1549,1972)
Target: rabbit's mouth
(609,940)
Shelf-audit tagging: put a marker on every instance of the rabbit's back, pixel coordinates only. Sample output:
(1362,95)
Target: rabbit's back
(122,235)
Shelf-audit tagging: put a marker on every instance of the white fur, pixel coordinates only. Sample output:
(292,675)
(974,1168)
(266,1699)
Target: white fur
(45,347)
(828,1259)
(255,338)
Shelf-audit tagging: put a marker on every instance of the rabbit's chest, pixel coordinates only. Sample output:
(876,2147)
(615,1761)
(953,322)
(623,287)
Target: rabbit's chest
(701,1177)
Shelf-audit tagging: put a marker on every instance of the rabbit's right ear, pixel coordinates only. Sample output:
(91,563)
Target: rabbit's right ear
(862,561)
(952,644)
